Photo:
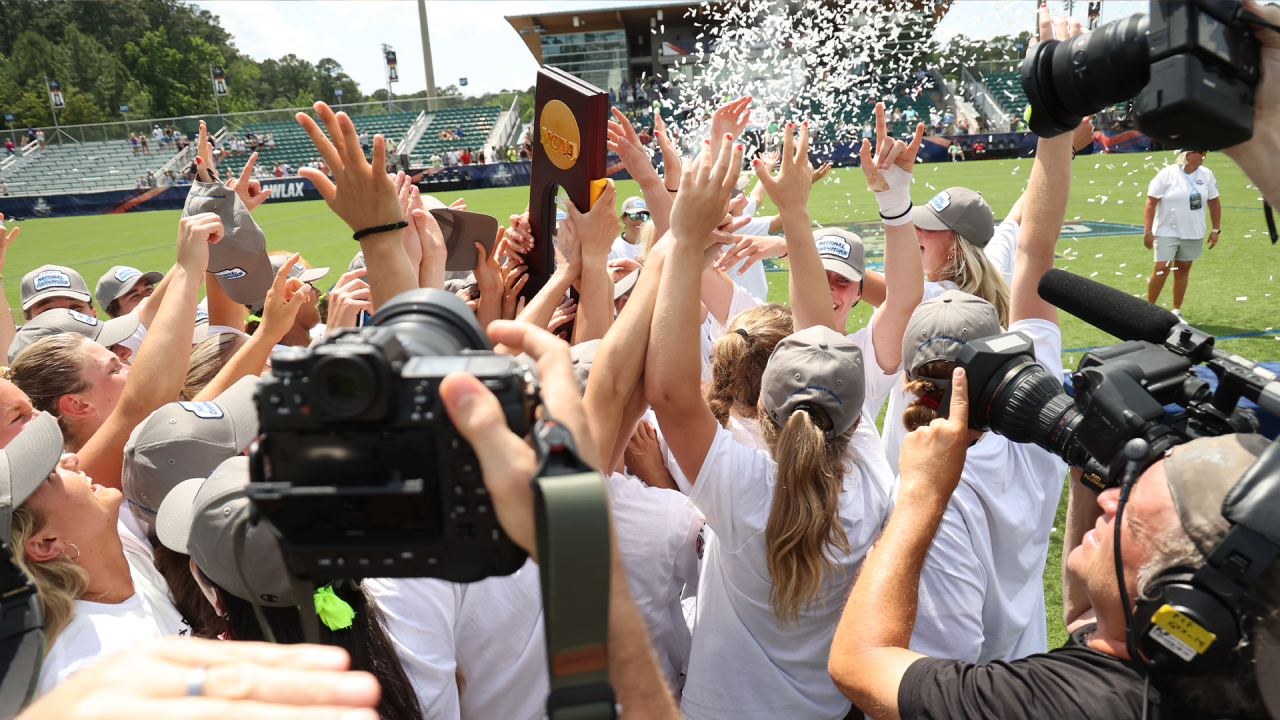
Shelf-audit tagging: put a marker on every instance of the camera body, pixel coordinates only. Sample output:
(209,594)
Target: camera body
(1193,66)
(358,467)
(1120,393)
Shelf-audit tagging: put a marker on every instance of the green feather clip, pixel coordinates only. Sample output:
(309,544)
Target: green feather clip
(332,610)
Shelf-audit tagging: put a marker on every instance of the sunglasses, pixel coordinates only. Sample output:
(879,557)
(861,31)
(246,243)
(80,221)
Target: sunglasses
(637,216)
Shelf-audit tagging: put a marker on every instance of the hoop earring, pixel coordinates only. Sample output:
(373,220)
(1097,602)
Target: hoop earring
(77,557)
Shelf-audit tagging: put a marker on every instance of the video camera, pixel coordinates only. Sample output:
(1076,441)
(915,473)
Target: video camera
(358,466)
(1193,66)
(1120,390)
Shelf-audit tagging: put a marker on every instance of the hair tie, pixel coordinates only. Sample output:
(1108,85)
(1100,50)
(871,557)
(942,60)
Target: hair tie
(744,334)
(333,611)
(932,399)
(254,318)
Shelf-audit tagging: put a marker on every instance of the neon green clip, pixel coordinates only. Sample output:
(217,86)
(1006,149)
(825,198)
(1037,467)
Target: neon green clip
(332,610)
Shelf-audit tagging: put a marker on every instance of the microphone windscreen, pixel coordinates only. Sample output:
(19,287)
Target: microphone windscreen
(1106,308)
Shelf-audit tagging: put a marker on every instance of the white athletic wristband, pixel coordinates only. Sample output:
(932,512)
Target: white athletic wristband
(895,203)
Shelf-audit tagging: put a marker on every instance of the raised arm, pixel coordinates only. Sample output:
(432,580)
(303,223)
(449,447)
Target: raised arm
(364,196)
(1257,155)
(869,654)
(161,366)
(673,363)
(7,327)
(624,141)
(595,231)
(889,177)
(807,280)
(278,313)
(620,360)
(508,463)
(1045,208)
(540,310)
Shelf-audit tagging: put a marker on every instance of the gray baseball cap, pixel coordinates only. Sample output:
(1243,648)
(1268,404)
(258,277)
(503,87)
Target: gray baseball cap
(461,230)
(306,275)
(26,462)
(53,281)
(941,325)
(842,252)
(61,320)
(633,204)
(357,262)
(959,209)
(198,518)
(185,439)
(119,280)
(239,259)
(582,355)
(816,366)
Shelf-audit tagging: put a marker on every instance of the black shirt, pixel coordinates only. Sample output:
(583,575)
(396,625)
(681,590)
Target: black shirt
(1069,683)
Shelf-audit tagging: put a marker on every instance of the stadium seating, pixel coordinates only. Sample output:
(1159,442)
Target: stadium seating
(1006,88)
(476,124)
(85,167)
(294,147)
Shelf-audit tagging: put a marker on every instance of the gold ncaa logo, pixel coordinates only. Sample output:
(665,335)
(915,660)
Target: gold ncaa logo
(559,132)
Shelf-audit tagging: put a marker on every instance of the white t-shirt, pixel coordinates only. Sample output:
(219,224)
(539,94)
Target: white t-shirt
(99,630)
(982,586)
(1174,187)
(753,279)
(743,664)
(657,534)
(420,614)
(622,249)
(743,299)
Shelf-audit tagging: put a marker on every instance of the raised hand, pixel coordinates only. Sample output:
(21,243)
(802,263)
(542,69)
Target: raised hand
(519,233)
(821,172)
(752,249)
(6,239)
(790,190)
(205,172)
(284,299)
(512,283)
(706,185)
(195,233)
(249,190)
(622,267)
(348,299)
(730,118)
(565,312)
(670,153)
(408,196)
(597,228)
(624,141)
(362,194)
(932,457)
(889,153)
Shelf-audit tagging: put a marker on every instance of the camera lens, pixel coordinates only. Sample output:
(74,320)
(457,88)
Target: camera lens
(431,322)
(343,387)
(1064,81)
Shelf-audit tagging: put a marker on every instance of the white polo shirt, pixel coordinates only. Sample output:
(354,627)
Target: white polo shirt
(1175,188)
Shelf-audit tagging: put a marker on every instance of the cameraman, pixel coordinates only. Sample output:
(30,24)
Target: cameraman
(1173,516)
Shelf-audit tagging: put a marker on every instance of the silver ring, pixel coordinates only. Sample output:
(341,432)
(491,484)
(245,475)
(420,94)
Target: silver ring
(195,680)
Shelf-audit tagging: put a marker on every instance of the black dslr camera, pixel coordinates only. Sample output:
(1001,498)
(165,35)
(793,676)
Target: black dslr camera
(1193,66)
(358,466)
(1120,390)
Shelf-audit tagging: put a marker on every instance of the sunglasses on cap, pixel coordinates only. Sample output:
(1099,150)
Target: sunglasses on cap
(637,215)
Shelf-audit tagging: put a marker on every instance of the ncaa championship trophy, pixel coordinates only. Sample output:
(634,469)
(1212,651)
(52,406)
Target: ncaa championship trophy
(570,117)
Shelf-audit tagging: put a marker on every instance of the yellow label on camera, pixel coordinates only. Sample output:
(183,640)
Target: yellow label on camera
(1182,629)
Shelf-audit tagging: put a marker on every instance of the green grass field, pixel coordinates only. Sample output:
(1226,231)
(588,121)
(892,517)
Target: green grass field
(1232,289)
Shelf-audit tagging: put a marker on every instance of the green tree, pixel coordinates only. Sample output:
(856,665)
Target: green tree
(175,71)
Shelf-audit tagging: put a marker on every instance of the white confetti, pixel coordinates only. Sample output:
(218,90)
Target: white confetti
(1240,298)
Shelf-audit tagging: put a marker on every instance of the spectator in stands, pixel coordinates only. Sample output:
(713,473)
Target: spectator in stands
(436,160)
(277,171)
(158,134)
(285,168)
(31,134)
(897,115)
(512,154)
(4,189)
(909,114)
(364,139)
(40,139)
(964,127)
(955,152)
(457,133)
(979,150)
(271,141)
(142,141)
(9,146)
(465,157)
(133,140)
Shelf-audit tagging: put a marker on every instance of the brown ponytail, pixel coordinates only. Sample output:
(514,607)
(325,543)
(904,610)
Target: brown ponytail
(804,531)
(739,357)
(920,412)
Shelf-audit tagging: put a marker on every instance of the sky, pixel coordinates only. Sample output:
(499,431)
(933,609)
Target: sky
(472,39)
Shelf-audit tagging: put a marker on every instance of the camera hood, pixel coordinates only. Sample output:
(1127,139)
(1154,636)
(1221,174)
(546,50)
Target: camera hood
(439,305)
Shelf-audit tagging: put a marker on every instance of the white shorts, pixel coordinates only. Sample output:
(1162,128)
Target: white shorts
(1172,248)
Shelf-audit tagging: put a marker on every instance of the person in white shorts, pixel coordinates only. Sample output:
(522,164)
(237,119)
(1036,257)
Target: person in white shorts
(1173,222)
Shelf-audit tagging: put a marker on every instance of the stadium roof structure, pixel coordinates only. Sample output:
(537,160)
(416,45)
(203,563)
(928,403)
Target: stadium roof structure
(643,17)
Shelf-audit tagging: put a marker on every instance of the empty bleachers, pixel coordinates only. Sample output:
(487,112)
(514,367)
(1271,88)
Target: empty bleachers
(85,167)
(293,146)
(1006,88)
(475,122)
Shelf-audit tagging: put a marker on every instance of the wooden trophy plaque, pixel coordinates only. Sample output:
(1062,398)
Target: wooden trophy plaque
(570,118)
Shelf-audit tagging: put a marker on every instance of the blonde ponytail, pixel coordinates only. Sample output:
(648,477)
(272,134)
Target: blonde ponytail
(739,357)
(804,533)
(972,272)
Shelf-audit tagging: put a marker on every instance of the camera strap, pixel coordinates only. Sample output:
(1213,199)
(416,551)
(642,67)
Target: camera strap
(571,512)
